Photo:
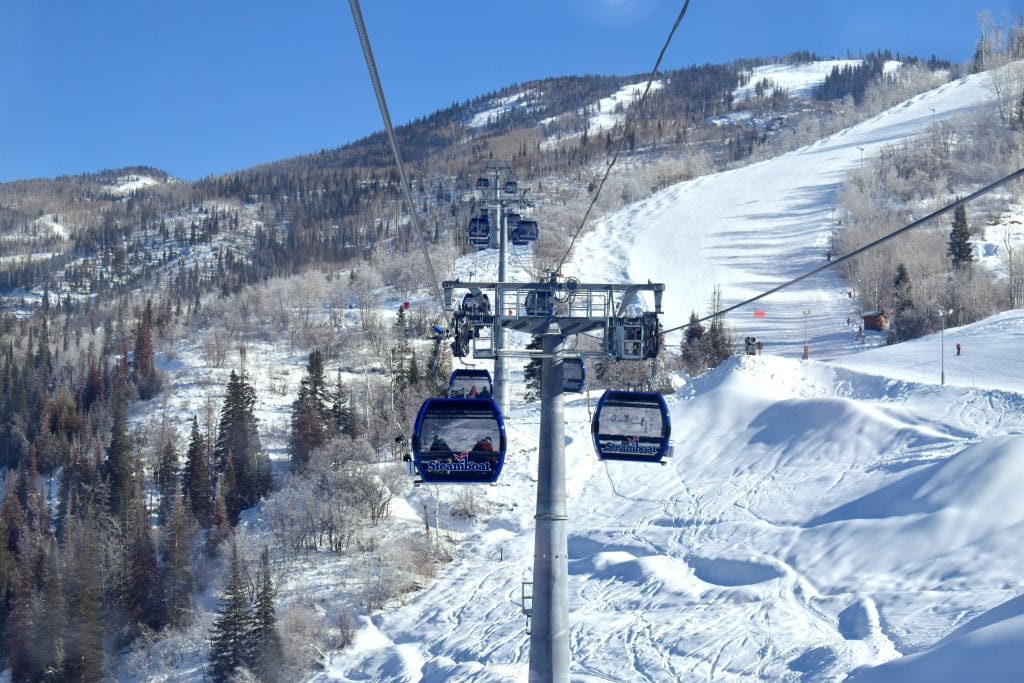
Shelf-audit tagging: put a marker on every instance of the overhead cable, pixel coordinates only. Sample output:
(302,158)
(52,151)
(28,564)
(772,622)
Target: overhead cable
(364,40)
(856,252)
(625,133)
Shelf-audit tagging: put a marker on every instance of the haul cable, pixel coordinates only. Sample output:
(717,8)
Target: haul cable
(860,250)
(364,40)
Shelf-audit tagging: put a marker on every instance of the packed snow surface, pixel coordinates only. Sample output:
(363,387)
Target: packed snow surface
(847,515)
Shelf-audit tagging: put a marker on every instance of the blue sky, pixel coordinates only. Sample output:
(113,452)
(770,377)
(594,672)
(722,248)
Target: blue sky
(202,87)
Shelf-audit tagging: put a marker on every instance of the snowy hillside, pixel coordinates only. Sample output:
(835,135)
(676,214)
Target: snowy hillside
(753,228)
(797,80)
(820,519)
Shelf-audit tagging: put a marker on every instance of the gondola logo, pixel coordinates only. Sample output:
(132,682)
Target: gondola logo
(459,457)
(632,445)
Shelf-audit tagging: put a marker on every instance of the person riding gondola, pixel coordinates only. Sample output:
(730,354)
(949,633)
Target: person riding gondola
(483,446)
(438,445)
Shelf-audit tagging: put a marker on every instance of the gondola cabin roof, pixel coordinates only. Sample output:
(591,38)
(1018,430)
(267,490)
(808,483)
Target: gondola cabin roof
(459,441)
(631,425)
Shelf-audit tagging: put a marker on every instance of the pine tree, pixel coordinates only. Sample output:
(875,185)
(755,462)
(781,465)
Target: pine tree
(145,374)
(7,569)
(414,369)
(229,489)
(439,367)
(238,438)
(177,569)
(143,599)
(196,479)
(310,423)
(901,290)
(119,466)
(167,480)
(342,412)
(960,250)
(532,371)
(36,623)
(400,353)
(307,433)
(691,352)
(268,653)
(84,629)
(229,636)
(220,525)
(716,344)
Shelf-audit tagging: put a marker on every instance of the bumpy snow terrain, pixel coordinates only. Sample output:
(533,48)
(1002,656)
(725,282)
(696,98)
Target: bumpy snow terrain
(849,515)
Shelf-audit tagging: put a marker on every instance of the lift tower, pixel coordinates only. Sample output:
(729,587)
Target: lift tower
(554,310)
(500,194)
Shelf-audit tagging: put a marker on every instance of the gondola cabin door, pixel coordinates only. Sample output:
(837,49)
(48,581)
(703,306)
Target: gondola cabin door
(459,441)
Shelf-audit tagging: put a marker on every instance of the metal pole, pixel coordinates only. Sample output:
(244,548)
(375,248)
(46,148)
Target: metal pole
(502,395)
(942,342)
(807,353)
(549,634)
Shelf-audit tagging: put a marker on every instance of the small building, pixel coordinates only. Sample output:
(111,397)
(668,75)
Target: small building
(876,320)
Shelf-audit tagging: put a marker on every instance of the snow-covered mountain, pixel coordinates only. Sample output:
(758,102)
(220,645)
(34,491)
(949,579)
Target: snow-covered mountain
(849,515)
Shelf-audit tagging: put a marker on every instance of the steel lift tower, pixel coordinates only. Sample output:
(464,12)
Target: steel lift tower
(554,310)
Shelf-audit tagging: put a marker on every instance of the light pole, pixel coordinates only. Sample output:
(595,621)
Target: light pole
(807,353)
(942,342)
(861,156)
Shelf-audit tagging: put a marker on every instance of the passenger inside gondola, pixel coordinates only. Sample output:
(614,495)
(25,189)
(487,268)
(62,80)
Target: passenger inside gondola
(483,446)
(439,445)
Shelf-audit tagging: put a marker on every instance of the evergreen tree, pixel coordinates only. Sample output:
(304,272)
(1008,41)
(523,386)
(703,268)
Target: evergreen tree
(960,251)
(439,366)
(196,479)
(229,489)
(414,369)
(400,353)
(7,572)
(268,653)
(238,438)
(532,371)
(145,374)
(143,599)
(901,290)
(690,350)
(84,628)
(229,637)
(220,525)
(716,344)
(119,466)
(343,414)
(177,569)
(35,627)
(167,480)
(310,415)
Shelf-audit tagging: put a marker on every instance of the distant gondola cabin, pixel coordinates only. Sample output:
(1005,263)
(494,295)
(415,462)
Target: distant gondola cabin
(876,320)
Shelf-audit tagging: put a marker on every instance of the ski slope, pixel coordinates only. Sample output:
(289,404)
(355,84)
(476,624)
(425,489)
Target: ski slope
(753,228)
(819,520)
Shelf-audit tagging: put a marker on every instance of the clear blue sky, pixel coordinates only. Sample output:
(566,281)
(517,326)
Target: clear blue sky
(201,87)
